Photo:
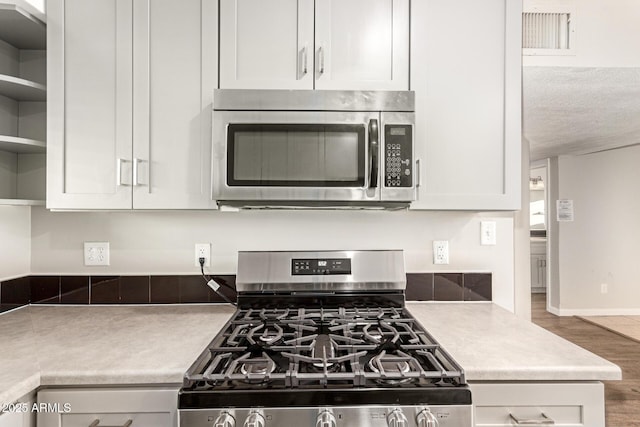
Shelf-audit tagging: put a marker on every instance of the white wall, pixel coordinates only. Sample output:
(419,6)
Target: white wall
(15,241)
(38,4)
(606,35)
(163,242)
(602,244)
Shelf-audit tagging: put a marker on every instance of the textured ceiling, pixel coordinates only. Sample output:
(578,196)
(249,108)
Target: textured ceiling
(580,110)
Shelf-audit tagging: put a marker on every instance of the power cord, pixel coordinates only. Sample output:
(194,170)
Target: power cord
(215,286)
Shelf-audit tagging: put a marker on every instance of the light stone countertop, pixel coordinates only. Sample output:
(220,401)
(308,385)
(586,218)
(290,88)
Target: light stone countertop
(492,344)
(19,368)
(115,345)
(120,345)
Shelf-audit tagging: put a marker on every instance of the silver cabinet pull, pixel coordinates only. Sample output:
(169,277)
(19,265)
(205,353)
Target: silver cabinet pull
(418,175)
(96,422)
(119,172)
(302,63)
(135,172)
(544,421)
(321,60)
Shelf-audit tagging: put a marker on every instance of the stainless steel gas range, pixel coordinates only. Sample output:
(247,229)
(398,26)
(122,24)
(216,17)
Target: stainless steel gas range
(323,339)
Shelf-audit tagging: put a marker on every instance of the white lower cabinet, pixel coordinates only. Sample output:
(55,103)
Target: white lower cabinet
(135,407)
(566,404)
(19,413)
(15,419)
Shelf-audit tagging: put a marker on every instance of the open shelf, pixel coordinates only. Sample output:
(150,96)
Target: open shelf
(21,89)
(16,144)
(22,25)
(21,202)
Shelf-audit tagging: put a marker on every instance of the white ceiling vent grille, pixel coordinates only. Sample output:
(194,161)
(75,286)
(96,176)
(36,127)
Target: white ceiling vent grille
(548,27)
(546,30)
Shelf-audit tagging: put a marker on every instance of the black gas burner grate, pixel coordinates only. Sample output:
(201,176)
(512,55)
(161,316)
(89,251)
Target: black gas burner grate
(323,348)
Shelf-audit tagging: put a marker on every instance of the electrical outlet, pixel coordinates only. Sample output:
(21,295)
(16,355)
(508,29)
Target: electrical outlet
(441,252)
(96,253)
(604,288)
(203,250)
(487,233)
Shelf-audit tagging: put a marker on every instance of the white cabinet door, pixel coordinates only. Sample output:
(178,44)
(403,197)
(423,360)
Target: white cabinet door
(89,77)
(577,404)
(14,419)
(266,44)
(151,407)
(174,77)
(362,44)
(538,272)
(113,61)
(466,74)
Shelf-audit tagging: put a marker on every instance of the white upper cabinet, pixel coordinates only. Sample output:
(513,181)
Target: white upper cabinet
(289,44)
(89,127)
(362,44)
(172,95)
(129,109)
(466,74)
(266,44)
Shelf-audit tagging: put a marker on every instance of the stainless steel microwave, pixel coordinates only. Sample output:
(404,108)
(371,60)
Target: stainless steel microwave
(278,148)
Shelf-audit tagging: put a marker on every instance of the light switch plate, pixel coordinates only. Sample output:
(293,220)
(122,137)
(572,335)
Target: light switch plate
(487,233)
(96,253)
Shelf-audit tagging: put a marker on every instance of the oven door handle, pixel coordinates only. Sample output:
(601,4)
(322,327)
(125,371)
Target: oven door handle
(374,148)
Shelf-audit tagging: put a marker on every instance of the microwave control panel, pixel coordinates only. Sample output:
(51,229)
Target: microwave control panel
(398,155)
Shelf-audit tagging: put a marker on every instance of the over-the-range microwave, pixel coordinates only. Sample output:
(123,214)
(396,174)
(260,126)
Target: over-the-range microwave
(292,148)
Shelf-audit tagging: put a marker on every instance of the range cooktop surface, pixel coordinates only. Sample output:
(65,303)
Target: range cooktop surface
(324,337)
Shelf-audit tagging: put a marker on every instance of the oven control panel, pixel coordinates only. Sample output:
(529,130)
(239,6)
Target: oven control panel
(324,266)
(398,155)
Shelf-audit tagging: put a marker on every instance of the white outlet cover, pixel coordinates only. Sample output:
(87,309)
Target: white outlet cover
(203,250)
(487,233)
(441,252)
(96,253)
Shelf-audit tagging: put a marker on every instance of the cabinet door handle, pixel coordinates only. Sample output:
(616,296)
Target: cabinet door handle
(418,176)
(118,172)
(321,60)
(302,63)
(135,171)
(544,421)
(119,163)
(95,423)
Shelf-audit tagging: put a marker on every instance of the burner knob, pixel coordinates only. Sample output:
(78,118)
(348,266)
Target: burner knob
(254,419)
(326,419)
(426,419)
(225,420)
(397,419)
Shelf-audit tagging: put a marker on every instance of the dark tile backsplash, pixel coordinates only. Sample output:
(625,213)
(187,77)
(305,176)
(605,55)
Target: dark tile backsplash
(16,291)
(45,289)
(193,289)
(448,287)
(74,289)
(419,287)
(477,287)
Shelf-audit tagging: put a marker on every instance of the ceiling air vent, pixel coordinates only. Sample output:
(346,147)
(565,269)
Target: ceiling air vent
(547,28)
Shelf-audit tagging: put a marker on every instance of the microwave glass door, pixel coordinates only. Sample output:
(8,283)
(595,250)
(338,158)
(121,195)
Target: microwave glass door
(296,155)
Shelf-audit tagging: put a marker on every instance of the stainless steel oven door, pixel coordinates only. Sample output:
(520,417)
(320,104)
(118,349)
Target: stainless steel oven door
(296,156)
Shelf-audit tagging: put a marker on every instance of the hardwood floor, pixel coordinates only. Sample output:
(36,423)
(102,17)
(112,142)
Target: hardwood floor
(622,397)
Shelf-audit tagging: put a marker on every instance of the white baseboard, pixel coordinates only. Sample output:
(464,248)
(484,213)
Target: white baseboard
(596,312)
(554,310)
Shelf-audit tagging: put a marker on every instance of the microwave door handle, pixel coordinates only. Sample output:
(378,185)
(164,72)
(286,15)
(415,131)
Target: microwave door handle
(374,148)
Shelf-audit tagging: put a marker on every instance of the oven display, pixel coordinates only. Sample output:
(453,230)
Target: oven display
(313,266)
